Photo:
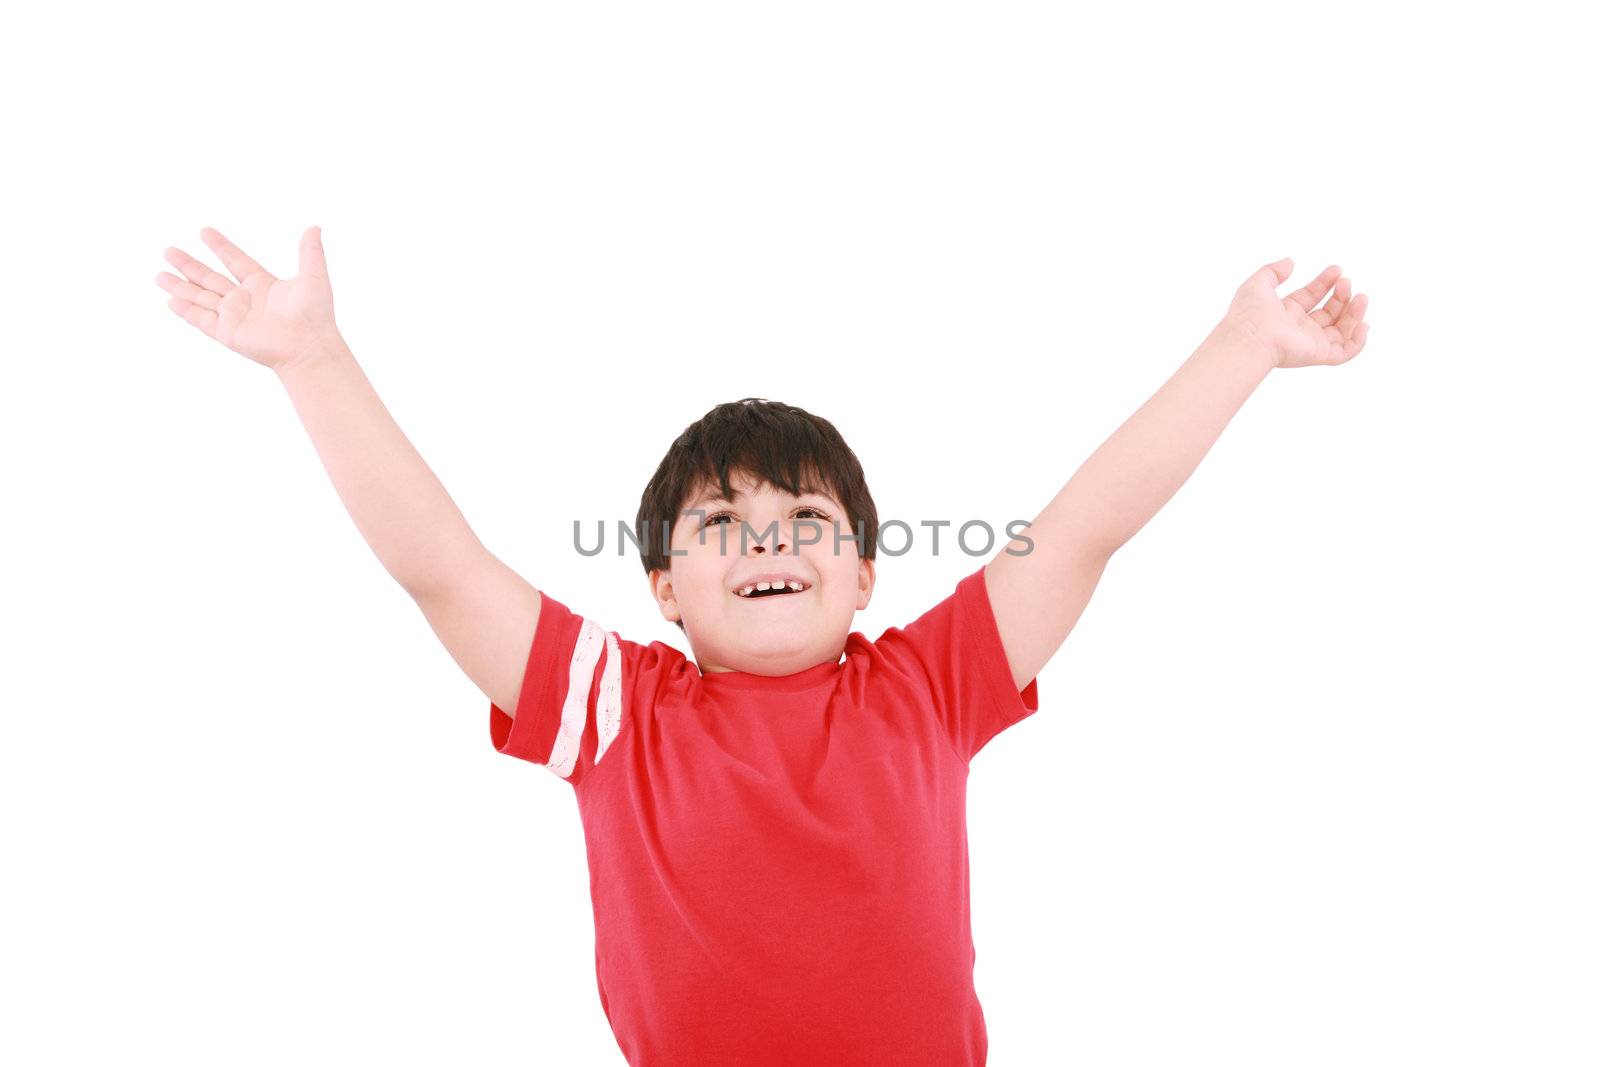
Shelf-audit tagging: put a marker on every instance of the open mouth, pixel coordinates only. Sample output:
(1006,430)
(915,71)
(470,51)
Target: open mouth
(760,590)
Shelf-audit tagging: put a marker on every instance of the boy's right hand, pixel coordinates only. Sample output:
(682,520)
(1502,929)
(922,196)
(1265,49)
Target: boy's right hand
(273,321)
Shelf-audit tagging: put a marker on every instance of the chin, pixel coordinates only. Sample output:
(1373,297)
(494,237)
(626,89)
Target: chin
(766,653)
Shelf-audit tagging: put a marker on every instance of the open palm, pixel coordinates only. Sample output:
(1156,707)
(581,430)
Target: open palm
(1293,328)
(271,320)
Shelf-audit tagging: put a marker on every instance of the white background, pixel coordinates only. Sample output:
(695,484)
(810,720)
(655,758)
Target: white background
(1313,780)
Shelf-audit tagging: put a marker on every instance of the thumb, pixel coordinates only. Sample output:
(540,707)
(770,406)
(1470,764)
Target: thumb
(312,261)
(1274,274)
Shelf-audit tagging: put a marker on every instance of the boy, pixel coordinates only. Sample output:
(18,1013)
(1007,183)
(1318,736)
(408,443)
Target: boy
(776,837)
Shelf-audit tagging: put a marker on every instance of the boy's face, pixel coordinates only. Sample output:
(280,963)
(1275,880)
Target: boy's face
(727,544)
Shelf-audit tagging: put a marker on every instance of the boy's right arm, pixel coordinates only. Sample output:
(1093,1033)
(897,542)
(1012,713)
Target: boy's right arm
(487,618)
(484,612)
(481,609)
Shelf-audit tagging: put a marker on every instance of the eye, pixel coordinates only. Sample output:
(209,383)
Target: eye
(815,512)
(719,515)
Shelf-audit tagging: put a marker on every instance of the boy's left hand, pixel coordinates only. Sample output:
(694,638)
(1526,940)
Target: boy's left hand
(1292,334)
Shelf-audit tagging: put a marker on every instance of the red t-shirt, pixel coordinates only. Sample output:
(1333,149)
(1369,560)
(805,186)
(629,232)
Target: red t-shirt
(778,865)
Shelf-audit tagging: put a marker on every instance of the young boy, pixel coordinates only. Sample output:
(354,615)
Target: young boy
(776,829)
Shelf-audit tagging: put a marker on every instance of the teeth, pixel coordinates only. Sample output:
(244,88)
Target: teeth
(757,586)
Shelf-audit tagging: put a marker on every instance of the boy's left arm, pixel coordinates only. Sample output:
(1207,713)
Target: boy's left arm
(1038,596)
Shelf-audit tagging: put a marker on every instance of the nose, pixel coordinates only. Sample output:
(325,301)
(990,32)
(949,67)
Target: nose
(762,541)
(760,547)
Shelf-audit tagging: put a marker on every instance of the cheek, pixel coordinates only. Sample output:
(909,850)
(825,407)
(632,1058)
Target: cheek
(842,589)
(717,543)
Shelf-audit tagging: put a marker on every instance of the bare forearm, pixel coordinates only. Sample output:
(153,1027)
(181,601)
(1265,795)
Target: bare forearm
(397,503)
(1133,474)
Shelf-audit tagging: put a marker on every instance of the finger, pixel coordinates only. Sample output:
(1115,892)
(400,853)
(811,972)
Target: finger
(189,291)
(312,260)
(1273,274)
(239,265)
(1341,335)
(1347,349)
(199,273)
(1329,313)
(1351,318)
(200,318)
(1315,290)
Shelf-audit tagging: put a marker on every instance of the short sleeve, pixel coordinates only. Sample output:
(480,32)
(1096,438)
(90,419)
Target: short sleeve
(956,646)
(581,688)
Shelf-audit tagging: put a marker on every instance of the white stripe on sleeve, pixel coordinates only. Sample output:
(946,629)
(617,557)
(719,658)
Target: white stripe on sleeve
(608,710)
(585,652)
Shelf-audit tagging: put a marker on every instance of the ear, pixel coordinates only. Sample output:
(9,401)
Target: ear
(661,592)
(866,577)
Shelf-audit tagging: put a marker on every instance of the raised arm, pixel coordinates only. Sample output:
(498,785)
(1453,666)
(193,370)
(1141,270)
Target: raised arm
(1038,597)
(483,612)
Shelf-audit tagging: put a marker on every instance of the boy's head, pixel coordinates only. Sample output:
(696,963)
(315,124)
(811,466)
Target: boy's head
(753,487)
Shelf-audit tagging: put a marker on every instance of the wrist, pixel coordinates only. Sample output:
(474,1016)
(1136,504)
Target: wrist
(317,353)
(1237,338)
